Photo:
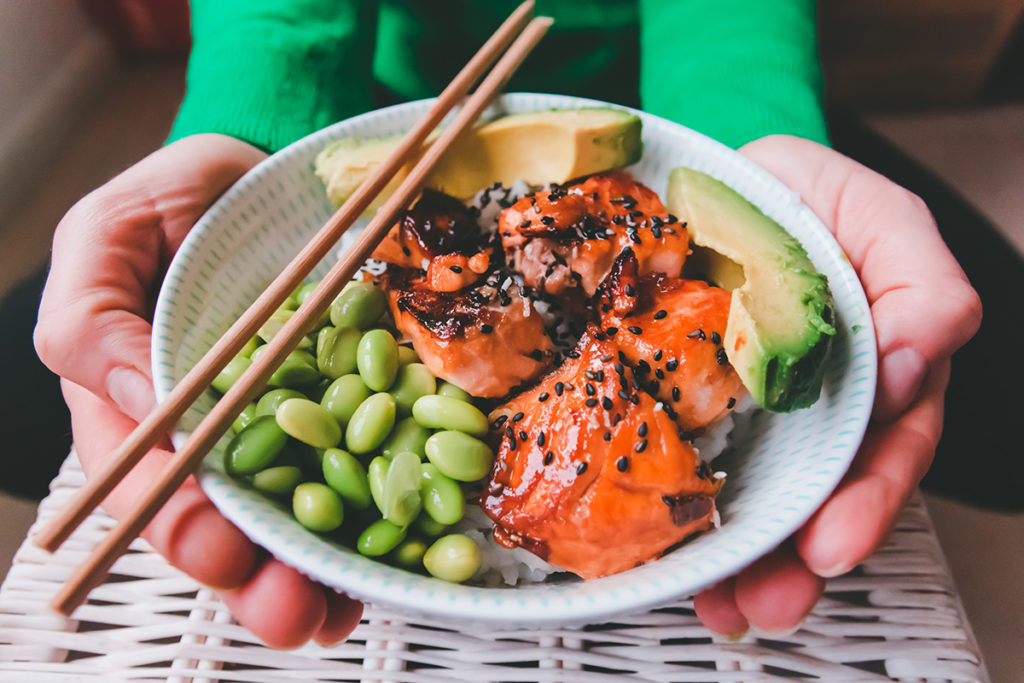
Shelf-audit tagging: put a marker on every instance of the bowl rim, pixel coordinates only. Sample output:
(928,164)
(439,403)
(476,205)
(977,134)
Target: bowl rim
(546,604)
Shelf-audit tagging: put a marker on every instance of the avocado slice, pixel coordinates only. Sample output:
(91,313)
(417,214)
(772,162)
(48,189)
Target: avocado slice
(781,314)
(539,147)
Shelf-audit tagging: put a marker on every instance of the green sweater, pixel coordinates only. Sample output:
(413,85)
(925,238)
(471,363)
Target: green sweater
(271,71)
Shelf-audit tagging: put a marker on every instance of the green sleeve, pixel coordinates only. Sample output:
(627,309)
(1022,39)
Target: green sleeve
(271,71)
(735,70)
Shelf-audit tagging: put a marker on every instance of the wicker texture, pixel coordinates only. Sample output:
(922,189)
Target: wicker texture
(895,617)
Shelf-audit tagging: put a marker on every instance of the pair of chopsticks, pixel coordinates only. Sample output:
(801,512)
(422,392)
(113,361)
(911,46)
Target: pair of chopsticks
(520,33)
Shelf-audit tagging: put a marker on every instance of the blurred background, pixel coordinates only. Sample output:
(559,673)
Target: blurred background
(930,94)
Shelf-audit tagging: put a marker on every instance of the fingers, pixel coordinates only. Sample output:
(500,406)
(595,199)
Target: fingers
(343,615)
(188,530)
(774,595)
(855,520)
(279,605)
(920,299)
(109,252)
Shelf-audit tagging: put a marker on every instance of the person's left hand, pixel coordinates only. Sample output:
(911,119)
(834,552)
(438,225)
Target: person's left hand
(923,309)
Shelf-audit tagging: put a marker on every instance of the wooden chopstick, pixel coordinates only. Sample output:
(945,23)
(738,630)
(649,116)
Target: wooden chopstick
(94,569)
(164,416)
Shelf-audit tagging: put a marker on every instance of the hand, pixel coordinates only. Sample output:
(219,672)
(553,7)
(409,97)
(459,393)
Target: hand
(923,309)
(109,255)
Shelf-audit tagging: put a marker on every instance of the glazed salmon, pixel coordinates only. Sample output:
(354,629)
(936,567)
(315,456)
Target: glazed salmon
(590,474)
(670,332)
(486,339)
(439,235)
(570,236)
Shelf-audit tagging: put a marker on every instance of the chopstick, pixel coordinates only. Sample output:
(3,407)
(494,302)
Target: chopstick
(94,569)
(164,416)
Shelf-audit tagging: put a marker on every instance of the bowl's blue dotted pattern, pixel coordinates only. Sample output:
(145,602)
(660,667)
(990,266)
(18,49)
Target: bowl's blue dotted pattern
(781,467)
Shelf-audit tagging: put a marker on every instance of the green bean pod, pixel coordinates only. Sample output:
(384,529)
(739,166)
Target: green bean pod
(407,435)
(346,475)
(370,424)
(308,422)
(380,538)
(359,305)
(443,412)
(377,359)
(452,558)
(343,396)
(412,381)
(255,447)
(317,507)
(336,350)
(442,497)
(459,456)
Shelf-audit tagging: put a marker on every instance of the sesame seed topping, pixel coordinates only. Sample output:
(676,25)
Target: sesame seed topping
(590,402)
(512,443)
(619,368)
(559,388)
(660,314)
(635,329)
(589,388)
(581,468)
(640,446)
(716,338)
(606,357)
(659,373)
(675,393)
(455,269)
(672,365)
(606,403)
(721,356)
(486,329)
(540,439)
(523,435)
(543,397)
(510,433)
(641,431)
(547,220)
(697,334)
(657,355)
(622,464)
(730,404)
(667,500)
(500,420)
(549,457)
(635,399)
(611,331)
(607,436)
(525,224)
(518,416)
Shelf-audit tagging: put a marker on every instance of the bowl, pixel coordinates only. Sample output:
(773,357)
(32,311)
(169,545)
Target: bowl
(780,467)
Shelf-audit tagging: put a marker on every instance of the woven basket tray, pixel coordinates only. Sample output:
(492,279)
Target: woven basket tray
(896,617)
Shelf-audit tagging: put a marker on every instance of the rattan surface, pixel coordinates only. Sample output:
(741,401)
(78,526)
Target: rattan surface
(896,617)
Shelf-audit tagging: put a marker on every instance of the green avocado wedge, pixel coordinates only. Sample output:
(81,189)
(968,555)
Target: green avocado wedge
(540,147)
(781,314)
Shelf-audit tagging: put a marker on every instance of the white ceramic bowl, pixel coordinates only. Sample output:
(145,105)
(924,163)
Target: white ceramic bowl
(780,467)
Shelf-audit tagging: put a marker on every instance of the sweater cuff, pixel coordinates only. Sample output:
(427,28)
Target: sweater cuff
(735,70)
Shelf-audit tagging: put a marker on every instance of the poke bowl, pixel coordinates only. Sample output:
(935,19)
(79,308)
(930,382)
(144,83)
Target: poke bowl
(780,466)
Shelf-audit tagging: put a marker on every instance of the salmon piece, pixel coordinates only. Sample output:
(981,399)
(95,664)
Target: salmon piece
(669,330)
(438,235)
(485,340)
(570,236)
(590,474)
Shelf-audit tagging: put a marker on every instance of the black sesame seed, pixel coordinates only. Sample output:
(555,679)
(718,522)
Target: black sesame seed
(622,358)
(619,368)
(486,329)
(455,269)
(622,464)
(640,446)
(630,290)
(611,331)
(590,402)
(607,436)
(581,468)
(659,373)
(716,338)
(540,439)
(606,403)
(559,388)
(547,220)
(405,250)
(523,435)
(643,367)
(672,365)
(500,421)
(667,500)
(657,355)
(518,416)
(623,395)
(675,393)
(537,355)
(660,314)
(635,329)
(606,357)
(656,231)
(641,431)
(730,404)
(590,374)
(525,224)
(697,334)
(618,219)
(512,445)
(549,457)
(616,419)
(510,433)
(589,388)
(544,396)
(635,399)
(671,219)
(721,356)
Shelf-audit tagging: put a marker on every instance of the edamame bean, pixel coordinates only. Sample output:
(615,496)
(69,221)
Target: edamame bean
(428,526)
(459,456)
(308,422)
(268,403)
(376,474)
(380,538)
(255,447)
(406,355)
(275,322)
(370,424)
(451,391)
(304,291)
(360,304)
(442,497)
(277,481)
(346,475)
(402,489)
(336,350)
(377,359)
(343,396)
(407,435)
(452,558)
(409,553)
(231,373)
(244,418)
(444,412)
(411,382)
(250,346)
(298,370)
(317,506)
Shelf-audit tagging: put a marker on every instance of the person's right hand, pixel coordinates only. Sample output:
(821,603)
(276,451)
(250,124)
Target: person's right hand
(109,255)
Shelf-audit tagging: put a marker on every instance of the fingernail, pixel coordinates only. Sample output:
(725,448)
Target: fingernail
(775,635)
(735,637)
(899,380)
(131,391)
(833,571)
